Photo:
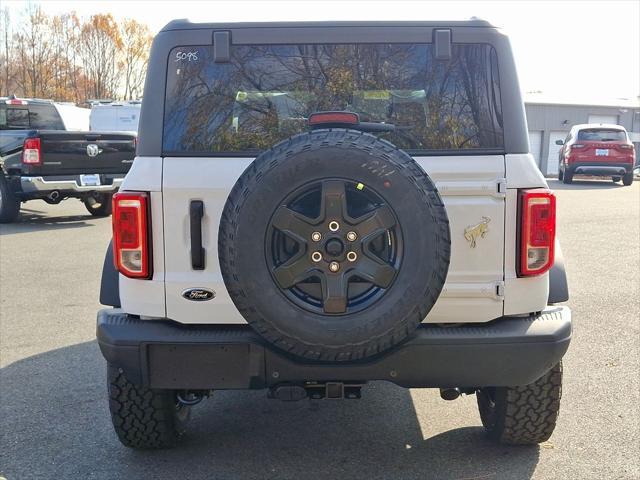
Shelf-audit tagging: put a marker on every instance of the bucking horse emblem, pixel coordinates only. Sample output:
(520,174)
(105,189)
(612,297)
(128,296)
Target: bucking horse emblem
(472,232)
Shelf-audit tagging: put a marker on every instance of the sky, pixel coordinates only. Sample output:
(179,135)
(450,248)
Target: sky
(576,49)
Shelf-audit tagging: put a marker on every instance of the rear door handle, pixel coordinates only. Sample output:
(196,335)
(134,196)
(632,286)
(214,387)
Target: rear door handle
(196,212)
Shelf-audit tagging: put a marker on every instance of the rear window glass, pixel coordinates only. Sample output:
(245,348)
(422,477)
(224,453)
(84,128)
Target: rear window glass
(14,118)
(42,117)
(266,93)
(602,135)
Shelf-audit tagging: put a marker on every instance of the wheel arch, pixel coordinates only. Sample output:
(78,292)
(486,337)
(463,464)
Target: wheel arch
(558,284)
(110,285)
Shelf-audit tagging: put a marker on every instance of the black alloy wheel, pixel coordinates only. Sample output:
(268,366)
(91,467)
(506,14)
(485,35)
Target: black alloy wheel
(334,247)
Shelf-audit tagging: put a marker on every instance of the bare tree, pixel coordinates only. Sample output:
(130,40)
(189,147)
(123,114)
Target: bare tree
(6,50)
(65,32)
(34,54)
(136,42)
(68,58)
(100,47)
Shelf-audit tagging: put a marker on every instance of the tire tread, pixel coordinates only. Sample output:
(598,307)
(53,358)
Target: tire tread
(9,205)
(142,418)
(525,415)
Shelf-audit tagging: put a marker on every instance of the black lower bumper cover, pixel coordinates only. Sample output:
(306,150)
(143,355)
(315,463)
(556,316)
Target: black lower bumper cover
(164,354)
(600,168)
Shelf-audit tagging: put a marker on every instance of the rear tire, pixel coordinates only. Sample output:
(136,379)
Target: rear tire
(98,204)
(522,415)
(9,204)
(144,418)
(560,173)
(627,179)
(567,176)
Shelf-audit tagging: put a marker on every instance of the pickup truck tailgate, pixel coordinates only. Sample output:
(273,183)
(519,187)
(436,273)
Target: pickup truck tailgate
(70,153)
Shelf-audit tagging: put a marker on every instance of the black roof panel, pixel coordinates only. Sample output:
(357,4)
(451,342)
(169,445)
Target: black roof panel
(185,24)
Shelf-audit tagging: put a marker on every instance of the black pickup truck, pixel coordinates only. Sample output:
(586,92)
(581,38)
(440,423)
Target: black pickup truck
(43,157)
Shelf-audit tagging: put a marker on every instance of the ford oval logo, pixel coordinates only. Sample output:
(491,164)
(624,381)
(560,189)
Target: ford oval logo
(198,294)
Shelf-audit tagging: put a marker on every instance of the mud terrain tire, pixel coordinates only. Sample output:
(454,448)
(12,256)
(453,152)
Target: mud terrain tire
(522,415)
(144,418)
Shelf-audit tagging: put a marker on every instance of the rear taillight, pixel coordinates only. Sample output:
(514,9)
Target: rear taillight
(537,231)
(577,145)
(625,146)
(131,248)
(31,152)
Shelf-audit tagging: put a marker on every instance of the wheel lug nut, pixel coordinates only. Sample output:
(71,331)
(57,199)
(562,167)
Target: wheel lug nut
(316,256)
(352,256)
(316,236)
(352,236)
(334,226)
(334,266)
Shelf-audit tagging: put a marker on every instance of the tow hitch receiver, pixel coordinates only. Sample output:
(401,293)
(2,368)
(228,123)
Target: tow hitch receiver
(316,391)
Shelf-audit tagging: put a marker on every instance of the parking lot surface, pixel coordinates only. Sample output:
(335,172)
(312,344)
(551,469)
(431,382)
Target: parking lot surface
(54,421)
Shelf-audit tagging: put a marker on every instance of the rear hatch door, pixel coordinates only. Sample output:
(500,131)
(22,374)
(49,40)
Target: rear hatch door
(448,117)
(472,188)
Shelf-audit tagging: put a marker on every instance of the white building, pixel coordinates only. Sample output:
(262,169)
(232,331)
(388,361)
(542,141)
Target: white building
(550,119)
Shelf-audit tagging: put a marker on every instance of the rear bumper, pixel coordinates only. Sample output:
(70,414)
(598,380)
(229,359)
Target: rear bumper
(164,354)
(35,185)
(602,168)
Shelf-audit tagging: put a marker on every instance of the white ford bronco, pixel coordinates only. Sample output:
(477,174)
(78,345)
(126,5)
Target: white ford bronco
(314,206)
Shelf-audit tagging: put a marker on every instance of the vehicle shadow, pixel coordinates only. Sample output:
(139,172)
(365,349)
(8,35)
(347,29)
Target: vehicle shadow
(56,425)
(35,220)
(584,184)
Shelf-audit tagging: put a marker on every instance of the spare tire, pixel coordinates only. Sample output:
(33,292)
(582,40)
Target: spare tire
(334,245)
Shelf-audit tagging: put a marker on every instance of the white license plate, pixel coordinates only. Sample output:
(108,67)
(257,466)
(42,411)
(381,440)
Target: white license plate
(92,180)
(602,152)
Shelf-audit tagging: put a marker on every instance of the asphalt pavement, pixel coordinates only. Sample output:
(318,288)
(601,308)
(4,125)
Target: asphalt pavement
(54,421)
